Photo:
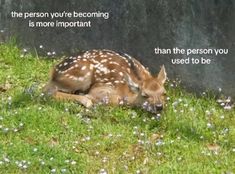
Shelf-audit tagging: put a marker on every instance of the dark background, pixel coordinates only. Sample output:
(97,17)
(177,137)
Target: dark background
(137,27)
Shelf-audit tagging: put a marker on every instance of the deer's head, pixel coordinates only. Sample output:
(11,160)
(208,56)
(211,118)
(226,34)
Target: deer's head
(151,91)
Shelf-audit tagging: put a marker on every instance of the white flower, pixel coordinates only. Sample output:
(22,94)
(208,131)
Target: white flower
(53,170)
(73,162)
(7,160)
(66,161)
(88,138)
(222,104)
(24,166)
(103,171)
(35,149)
(105,159)
(159,143)
(228,100)
(159,153)
(6,129)
(222,116)
(228,107)
(179,158)
(209,125)
(63,170)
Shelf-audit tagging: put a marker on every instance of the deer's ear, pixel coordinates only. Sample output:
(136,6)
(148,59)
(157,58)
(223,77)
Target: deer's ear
(162,76)
(132,85)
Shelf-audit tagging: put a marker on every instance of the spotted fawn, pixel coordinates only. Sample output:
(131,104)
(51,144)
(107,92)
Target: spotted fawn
(107,77)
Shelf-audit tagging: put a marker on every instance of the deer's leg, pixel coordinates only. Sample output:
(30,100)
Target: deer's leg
(67,93)
(105,94)
(85,100)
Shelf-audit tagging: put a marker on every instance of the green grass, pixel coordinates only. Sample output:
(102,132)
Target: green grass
(41,135)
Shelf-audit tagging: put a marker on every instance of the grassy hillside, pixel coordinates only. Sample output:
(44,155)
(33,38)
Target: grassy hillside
(41,135)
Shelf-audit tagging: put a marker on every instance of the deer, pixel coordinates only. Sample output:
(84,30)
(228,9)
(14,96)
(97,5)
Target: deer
(107,77)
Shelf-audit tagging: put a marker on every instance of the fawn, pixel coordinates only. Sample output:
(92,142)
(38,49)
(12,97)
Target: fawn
(108,77)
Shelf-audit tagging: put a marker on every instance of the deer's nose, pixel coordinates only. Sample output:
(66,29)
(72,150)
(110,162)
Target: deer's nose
(159,106)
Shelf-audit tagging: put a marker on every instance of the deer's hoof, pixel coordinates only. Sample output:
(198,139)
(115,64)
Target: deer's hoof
(88,103)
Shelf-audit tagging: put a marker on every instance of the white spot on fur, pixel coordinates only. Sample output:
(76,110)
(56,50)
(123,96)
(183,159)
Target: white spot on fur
(104,60)
(91,66)
(80,78)
(104,55)
(97,71)
(88,74)
(65,71)
(100,53)
(116,81)
(108,83)
(109,53)
(83,68)
(121,73)
(114,63)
